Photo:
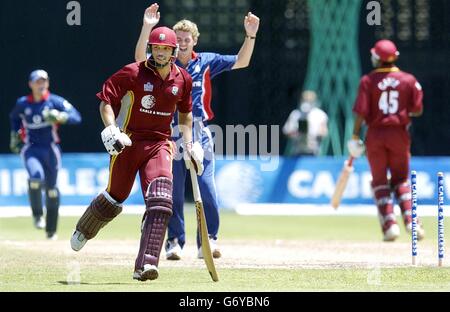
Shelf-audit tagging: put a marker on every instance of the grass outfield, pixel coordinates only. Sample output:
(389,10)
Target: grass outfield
(261,253)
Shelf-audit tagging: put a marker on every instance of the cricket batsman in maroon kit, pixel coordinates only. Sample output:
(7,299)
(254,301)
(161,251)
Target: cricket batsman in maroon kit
(138,103)
(387,99)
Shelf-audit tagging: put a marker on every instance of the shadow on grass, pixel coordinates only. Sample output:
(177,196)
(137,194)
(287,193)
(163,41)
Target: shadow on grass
(99,283)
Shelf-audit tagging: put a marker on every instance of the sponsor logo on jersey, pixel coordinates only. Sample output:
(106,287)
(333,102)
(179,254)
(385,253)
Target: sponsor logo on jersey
(148,87)
(152,112)
(388,82)
(148,101)
(197,84)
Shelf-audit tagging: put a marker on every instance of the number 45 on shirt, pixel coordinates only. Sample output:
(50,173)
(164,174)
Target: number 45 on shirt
(388,102)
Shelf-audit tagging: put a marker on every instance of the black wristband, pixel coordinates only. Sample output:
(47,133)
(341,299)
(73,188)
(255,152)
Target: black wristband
(250,37)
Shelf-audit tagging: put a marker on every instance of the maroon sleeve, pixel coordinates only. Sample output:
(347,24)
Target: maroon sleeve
(185,104)
(417,97)
(362,102)
(115,88)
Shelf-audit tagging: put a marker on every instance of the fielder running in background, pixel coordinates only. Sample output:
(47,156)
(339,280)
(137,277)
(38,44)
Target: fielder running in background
(306,126)
(138,104)
(387,99)
(34,124)
(202,67)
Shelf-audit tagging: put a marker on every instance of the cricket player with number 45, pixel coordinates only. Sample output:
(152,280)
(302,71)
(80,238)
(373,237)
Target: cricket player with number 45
(202,67)
(137,106)
(386,101)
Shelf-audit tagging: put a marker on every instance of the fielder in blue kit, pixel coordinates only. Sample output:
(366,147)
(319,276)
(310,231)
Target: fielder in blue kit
(34,125)
(202,67)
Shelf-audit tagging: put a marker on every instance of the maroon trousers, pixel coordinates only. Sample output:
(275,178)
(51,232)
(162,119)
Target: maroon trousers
(152,159)
(388,149)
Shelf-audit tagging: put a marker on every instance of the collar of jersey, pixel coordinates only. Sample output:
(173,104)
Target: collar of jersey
(45,97)
(392,69)
(194,57)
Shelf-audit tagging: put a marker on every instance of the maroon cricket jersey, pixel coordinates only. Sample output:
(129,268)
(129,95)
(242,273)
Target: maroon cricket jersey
(144,103)
(386,96)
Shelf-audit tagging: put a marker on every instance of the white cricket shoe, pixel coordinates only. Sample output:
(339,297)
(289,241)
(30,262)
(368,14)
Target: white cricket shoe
(215,250)
(39,222)
(150,272)
(78,240)
(420,230)
(52,236)
(392,233)
(173,249)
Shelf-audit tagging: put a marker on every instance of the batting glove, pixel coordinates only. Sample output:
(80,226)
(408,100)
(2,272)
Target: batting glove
(193,154)
(114,140)
(355,147)
(55,116)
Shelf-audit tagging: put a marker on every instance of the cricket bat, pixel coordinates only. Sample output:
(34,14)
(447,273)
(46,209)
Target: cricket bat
(342,183)
(202,227)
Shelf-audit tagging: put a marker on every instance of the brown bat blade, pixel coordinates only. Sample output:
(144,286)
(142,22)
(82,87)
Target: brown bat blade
(203,228)
(204,238)
(342,183)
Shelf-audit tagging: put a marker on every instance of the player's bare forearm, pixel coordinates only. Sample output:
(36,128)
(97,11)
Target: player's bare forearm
(357,126)
(107,114)
(245,54)
(151,18)
(141,45)
(251,25)
(185,126)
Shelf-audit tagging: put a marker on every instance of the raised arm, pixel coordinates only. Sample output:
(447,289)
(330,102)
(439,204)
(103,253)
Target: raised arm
(251,25)
(151,18)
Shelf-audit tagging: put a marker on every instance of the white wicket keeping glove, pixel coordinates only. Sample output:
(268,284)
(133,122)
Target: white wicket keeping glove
(114,140)
(193,154)
(55,116)
(355,147)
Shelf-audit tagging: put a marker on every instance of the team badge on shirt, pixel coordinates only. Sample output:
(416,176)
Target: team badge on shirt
(148,87)
(174,90)
(37,119)
(148,101)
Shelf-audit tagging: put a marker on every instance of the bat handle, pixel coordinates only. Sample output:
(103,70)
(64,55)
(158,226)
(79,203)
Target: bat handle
(195,187)
(350,161)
